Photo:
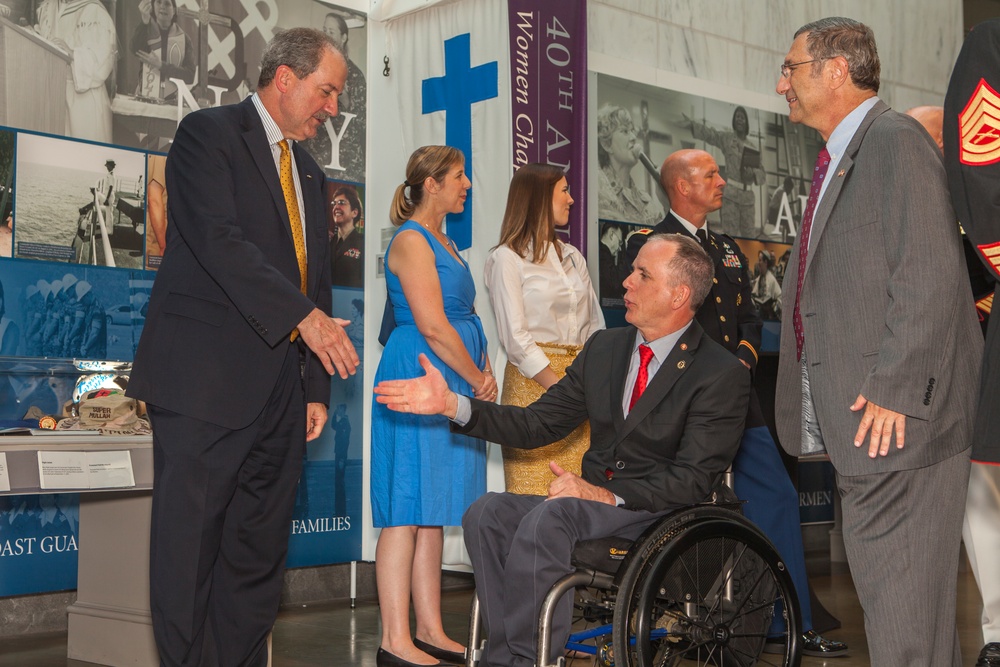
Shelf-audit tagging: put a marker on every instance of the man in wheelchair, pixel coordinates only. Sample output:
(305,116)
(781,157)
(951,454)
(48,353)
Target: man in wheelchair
(666,406)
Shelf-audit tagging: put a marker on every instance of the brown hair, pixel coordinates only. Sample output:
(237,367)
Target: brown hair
(528,221)
(426,161)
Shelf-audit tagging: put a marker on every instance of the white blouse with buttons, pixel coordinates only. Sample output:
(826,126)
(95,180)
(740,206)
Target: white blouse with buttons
(548,302)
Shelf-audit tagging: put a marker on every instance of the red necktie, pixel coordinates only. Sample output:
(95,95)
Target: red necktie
(645,354)
(822,164)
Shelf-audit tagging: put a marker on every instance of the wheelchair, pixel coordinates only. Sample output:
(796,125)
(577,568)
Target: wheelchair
(700,586)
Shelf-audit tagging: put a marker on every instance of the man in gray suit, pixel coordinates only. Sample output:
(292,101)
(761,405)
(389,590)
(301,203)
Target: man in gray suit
(880,347)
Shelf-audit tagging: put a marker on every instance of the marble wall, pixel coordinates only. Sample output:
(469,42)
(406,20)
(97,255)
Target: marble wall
(741,43)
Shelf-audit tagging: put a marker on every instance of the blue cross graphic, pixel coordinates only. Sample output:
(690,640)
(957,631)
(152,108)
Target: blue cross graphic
(455,93)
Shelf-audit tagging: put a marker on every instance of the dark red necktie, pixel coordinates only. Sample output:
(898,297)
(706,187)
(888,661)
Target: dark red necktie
(822,164)
(645,354)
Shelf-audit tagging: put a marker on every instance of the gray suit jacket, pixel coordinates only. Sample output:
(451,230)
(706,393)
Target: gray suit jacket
(886,306)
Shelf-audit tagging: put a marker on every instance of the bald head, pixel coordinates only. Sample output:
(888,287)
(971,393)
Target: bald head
(691,180)
(932,118)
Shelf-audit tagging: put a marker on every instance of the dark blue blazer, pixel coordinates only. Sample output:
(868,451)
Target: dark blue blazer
(227,296)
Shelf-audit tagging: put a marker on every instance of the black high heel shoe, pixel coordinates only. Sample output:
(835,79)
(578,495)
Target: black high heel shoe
(451,657)
(385,659)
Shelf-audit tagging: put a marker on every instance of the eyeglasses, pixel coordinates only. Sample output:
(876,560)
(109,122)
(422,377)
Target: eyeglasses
(786,70)
(340,202)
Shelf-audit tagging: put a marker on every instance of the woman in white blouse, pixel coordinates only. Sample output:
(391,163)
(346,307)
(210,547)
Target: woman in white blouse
(545,310)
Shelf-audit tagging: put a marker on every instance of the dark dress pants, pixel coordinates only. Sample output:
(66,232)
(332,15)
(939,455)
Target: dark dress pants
(519,547)
(222,509)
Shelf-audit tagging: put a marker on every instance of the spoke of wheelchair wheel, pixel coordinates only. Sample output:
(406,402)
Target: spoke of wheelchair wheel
(717,594)
(764,572)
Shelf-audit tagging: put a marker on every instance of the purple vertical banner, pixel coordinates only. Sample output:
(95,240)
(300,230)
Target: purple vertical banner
(548,94)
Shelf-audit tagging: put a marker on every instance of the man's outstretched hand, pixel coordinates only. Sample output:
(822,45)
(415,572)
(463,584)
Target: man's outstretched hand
(427,395)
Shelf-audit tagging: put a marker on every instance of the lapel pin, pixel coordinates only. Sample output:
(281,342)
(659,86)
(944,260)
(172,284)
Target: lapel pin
(841,173)
(681,364)
(309,176)
(684,346)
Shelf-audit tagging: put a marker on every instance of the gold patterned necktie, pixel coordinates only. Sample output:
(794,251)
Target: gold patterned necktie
(292,204)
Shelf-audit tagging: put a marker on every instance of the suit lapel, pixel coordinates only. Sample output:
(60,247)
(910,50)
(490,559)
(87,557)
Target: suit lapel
(677,363)
(619,372)
(836,180)
(260,150)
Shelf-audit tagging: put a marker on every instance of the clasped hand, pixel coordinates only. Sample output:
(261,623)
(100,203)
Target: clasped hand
(488,390)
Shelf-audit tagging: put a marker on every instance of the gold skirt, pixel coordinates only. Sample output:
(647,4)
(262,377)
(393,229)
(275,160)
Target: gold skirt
(526,471)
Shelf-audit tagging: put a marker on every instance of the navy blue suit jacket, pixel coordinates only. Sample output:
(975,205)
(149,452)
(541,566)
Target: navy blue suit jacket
(227,295)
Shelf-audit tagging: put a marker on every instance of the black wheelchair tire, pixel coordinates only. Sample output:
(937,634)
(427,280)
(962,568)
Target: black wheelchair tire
(717,638)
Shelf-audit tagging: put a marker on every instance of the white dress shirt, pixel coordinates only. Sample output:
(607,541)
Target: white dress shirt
(549,302)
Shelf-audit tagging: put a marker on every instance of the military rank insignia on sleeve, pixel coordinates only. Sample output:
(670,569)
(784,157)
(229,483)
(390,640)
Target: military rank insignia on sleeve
(979,127)
(985,306)
(991,253)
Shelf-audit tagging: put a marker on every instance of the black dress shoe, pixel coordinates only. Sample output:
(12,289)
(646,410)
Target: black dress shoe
(385,659)
(453,657)
(989,656)
(813,645)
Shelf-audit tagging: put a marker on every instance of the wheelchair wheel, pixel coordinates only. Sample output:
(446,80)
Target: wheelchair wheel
(705,597)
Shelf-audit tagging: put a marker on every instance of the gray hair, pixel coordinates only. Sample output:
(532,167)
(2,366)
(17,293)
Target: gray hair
(839,36)
(689,266)
(300,49)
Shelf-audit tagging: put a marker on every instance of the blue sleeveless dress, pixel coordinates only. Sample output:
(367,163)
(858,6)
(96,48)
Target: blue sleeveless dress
(421,473)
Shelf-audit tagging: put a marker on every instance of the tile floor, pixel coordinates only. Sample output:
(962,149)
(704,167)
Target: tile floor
(335,635)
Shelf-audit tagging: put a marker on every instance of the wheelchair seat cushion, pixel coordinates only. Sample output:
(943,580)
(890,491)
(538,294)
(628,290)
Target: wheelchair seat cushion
(603,554)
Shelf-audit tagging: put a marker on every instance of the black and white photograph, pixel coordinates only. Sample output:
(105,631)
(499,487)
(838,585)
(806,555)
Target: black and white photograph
(80,203)
(339,147)
(764,158)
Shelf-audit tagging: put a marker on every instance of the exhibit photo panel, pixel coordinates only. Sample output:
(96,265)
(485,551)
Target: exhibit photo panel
(82,203)
(326,521)
(763,157)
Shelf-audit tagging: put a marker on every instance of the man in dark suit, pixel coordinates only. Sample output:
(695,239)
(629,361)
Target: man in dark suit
(692,182)
(666,406)
(878,347)
(236,355)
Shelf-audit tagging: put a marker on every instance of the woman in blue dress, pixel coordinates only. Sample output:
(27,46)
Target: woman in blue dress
(423,477)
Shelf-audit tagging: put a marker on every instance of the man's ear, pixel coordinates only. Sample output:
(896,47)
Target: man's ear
(283,78)
(682,296)
(838,71)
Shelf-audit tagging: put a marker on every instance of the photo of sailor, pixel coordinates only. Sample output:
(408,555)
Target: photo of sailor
(80,203)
